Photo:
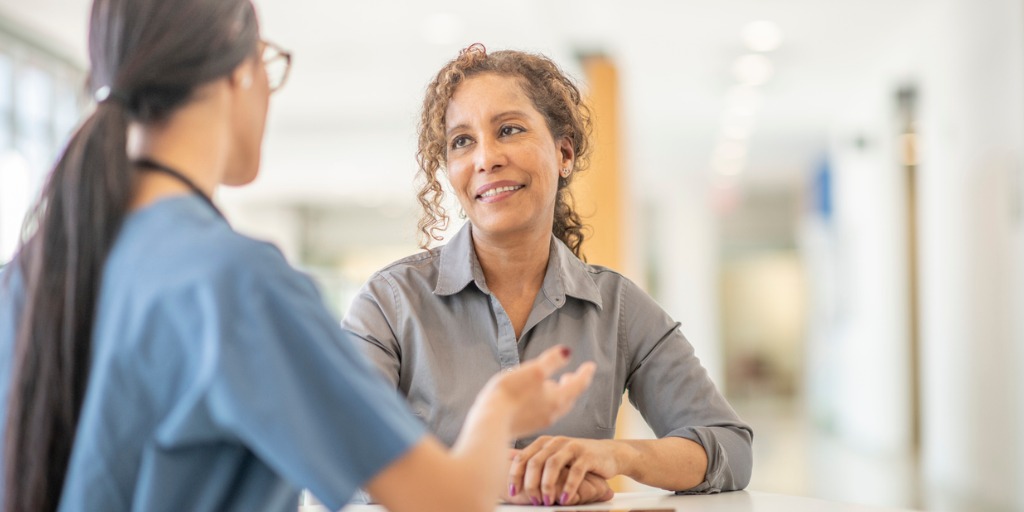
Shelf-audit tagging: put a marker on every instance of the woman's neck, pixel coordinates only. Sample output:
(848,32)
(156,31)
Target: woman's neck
(513,263)
(194,141)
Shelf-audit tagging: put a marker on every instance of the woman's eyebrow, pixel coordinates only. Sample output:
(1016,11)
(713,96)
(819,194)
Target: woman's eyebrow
(494,119)
(456,128)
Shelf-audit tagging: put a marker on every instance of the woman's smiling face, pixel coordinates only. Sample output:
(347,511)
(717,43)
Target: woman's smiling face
(502,160)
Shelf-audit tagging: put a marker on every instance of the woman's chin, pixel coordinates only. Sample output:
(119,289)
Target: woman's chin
(505,227)
(240,177)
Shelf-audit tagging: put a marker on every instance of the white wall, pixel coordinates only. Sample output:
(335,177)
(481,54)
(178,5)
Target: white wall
(973,114)
(687,261)
(967,60)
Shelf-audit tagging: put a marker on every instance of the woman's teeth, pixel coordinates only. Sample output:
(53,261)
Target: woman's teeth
(495,191)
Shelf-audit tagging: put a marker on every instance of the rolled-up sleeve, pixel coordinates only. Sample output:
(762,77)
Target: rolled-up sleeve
(677,398)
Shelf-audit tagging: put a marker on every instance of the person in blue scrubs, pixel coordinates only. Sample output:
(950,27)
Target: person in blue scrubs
(154,359)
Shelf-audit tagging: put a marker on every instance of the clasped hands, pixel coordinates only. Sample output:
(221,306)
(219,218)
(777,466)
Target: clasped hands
(556,470)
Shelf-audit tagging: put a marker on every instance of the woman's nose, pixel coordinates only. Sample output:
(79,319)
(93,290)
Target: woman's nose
(490,156)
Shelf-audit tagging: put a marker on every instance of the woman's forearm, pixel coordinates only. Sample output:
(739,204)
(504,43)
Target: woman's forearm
(466,478)
(483,443)
(671,463)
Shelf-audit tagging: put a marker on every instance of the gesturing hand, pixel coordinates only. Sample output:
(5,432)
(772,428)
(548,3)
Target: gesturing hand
(552,469)
(535,399)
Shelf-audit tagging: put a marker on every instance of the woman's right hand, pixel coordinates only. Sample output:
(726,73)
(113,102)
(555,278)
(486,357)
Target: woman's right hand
(592,489)
(534,399)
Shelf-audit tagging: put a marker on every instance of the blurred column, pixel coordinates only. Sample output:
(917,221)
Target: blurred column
(906,99)
(867,342)
(599,191)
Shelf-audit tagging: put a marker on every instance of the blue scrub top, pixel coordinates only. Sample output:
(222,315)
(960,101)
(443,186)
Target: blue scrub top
(219,381)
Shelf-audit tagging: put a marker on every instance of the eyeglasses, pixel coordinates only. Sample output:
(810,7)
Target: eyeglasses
(278,62)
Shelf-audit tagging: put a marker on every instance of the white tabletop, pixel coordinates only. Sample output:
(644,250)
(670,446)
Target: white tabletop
(725,502)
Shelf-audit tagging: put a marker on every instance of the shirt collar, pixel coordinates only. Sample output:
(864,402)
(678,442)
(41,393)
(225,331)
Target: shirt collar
(458,265)
(566,275)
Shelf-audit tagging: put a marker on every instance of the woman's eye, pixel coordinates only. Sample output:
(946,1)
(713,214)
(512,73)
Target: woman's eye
(510,130)
(460,142)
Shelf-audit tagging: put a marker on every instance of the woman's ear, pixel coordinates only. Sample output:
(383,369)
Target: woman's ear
(242,76)
(567,152)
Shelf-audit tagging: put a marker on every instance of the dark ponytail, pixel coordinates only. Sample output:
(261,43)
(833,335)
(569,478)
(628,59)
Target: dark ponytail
(82,206)
(151,55)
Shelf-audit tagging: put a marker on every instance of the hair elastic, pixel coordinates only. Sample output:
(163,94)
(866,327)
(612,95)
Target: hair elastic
(105,93)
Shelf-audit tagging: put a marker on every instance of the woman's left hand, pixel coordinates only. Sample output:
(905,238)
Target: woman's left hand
(537,470)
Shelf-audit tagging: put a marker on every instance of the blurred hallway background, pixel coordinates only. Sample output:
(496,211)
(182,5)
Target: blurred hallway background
(826,195)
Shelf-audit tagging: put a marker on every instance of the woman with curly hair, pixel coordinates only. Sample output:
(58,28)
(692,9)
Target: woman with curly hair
(510,131)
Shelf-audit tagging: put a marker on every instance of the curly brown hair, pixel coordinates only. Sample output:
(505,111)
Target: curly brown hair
(553,94)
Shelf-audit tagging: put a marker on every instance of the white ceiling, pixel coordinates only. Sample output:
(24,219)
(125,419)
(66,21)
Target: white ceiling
(344,127)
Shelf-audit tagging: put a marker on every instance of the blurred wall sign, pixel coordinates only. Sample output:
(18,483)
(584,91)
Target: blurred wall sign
(821,191)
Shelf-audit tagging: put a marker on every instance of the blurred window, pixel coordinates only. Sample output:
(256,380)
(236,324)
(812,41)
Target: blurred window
(40,105)
(6,102)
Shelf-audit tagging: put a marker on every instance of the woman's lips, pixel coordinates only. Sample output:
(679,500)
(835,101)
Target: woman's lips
(497,191)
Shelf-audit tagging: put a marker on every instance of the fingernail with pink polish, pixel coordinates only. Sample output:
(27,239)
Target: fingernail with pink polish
(547,501)
(564,499)
(533,501)
(512,490)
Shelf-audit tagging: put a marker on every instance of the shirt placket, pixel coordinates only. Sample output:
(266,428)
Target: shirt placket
(541,309)
(508,352)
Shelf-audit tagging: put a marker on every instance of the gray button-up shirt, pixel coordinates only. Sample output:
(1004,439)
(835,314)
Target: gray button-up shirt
(433,327)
